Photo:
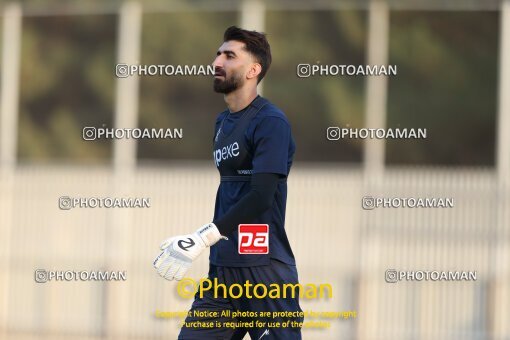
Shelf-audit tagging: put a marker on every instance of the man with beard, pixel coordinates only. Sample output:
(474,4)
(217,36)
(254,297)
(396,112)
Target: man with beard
(253,151)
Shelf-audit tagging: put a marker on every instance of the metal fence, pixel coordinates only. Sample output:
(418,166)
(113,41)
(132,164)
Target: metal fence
(335,241)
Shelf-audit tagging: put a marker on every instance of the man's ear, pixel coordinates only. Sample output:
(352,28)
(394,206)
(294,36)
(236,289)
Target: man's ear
(254,71)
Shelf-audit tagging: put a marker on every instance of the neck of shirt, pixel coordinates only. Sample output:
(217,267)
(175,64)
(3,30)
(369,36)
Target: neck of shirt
(243,109)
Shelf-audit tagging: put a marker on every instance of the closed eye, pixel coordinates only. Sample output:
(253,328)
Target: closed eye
(229,54)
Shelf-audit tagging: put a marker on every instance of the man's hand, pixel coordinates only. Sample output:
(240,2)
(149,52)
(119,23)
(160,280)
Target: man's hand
(180,251)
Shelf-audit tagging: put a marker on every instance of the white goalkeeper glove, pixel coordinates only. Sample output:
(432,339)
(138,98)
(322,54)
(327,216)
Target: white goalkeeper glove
(180,251)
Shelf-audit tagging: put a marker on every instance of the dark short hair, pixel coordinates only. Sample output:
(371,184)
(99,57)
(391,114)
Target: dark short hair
(255,43)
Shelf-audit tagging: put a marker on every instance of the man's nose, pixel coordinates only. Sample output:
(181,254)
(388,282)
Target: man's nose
(217,62)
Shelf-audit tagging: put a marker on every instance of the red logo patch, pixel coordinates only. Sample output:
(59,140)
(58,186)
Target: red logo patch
(253,239)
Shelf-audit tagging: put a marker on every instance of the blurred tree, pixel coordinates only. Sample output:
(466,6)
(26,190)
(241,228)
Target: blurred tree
(314,103)
(67,83)
(187,102)
(446,82)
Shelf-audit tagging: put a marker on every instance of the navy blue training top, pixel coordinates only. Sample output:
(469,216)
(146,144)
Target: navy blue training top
(257,139)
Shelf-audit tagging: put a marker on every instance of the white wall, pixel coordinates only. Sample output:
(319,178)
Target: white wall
(334,241)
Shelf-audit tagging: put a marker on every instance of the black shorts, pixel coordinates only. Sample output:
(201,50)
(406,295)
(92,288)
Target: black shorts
(228,327)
